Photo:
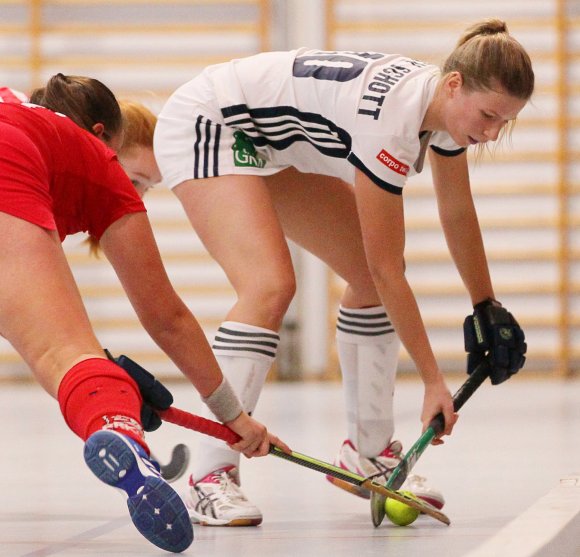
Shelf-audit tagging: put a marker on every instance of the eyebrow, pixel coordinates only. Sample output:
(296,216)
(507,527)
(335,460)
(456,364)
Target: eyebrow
(496,115)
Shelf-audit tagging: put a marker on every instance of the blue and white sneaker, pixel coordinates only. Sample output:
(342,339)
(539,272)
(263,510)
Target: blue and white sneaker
(156,509)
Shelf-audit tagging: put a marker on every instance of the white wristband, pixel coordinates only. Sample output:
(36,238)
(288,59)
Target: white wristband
(224,403)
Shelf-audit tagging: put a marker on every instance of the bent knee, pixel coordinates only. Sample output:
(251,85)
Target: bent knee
(269,298)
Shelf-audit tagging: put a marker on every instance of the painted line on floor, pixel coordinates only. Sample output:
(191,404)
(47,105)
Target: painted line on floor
(550,527)
(87,535)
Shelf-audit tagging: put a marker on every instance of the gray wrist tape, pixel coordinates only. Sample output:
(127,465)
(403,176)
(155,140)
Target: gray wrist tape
(224,403)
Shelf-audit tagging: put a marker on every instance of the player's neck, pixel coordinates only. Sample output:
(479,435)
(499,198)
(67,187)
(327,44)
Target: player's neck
(433,121)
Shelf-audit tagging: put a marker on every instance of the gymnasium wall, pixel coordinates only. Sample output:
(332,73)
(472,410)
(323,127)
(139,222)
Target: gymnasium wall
(527,191)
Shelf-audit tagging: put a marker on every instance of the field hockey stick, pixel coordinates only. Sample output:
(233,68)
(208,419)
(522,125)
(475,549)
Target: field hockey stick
(177,465)
(400,473)
(220,431)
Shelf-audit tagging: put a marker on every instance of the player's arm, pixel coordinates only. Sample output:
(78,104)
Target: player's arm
(382,223)
(499,333)
(129,245)
(460,223)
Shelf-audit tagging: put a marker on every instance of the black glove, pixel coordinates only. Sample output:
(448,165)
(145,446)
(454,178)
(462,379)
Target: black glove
(155,395)
(493,331)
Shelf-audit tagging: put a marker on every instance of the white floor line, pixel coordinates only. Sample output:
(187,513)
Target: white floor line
(549,528)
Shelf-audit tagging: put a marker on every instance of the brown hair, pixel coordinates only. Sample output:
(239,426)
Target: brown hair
(487,55)
(86,101)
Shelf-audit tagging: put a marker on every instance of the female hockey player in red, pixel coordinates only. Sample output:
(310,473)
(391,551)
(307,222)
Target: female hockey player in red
(57,179)
(269,147)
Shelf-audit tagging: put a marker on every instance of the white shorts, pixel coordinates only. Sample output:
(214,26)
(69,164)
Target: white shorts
(191,140)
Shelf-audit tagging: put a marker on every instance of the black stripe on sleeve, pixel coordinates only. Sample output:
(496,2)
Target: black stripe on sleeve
(356,162)
(446,153)
(196,147)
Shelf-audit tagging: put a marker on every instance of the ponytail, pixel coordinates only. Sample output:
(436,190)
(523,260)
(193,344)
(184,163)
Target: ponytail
(487,56)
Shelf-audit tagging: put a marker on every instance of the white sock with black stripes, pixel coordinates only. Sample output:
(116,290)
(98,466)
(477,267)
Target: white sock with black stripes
(368,352)
(245,354)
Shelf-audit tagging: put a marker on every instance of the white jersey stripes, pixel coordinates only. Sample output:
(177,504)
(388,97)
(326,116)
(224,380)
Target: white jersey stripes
(321,112)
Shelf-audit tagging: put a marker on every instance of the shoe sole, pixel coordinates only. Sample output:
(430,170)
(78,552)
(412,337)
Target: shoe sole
(155,508)
(204,520)
(236,522)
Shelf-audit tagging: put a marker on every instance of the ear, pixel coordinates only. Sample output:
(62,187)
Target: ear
(99,130)
(453,83)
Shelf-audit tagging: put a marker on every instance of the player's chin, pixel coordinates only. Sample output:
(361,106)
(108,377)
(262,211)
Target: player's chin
(461,139)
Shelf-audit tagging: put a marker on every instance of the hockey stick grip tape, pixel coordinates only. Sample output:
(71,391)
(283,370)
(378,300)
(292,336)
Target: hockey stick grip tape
(197,423)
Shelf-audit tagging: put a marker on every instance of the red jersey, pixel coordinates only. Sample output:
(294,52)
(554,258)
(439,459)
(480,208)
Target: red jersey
(8,95)
(57,175)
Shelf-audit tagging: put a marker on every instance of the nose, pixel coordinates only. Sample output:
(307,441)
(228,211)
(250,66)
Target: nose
(492,132)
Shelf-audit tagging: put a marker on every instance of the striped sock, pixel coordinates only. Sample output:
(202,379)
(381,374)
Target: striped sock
(245,354)
(368,350)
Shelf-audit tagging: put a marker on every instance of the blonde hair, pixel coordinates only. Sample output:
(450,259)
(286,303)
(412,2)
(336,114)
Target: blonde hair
(138,124)
(138,127)
(487,55)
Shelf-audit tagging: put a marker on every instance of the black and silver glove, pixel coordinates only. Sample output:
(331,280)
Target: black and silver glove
(492,331)
(155,395)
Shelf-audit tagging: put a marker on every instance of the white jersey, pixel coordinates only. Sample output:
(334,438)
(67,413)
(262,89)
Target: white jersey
(320,112)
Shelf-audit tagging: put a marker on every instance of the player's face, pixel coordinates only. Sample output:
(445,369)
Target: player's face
(140,165)
(479,116)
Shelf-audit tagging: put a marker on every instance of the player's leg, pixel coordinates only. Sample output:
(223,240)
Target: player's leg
(234,218)
(319,213)
(42,316)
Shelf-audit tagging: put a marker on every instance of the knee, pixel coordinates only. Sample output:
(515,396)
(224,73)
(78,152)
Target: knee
(277,295)
(270,296)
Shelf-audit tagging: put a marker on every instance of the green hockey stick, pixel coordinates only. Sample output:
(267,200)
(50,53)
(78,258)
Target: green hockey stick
(400,473)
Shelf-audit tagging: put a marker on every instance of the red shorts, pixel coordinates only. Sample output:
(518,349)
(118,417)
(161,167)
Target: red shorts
(24,179)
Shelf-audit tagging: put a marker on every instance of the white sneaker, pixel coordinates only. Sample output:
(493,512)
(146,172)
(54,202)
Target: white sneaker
(379,468)
(217,500)
(418,486)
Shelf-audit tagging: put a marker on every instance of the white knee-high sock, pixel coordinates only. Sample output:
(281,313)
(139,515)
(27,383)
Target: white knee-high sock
(245,354)
(368,351)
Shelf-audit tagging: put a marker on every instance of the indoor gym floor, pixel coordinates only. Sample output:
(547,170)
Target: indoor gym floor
(501,474)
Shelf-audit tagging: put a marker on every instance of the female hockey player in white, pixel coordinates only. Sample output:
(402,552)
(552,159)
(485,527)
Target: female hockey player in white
(269,147)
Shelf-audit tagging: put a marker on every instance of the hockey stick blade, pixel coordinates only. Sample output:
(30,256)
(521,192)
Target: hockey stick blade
(355,479)
(177,465)
(219,431)
(400,473)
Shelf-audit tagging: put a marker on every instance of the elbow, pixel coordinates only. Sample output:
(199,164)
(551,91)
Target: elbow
(164,320)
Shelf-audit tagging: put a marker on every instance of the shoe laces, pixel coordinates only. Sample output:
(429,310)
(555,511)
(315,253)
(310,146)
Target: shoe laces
(415,479)
(386,461)
(227,488)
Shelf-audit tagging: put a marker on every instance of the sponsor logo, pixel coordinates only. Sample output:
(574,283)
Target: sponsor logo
(123,422)
(245,153)
(392,163)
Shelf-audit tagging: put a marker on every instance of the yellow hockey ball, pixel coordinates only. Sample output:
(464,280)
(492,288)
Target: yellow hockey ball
(399,513)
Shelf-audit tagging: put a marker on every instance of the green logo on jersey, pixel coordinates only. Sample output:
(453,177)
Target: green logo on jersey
(245,153)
